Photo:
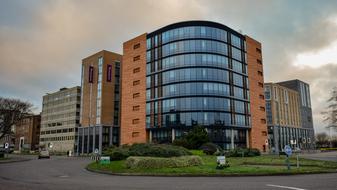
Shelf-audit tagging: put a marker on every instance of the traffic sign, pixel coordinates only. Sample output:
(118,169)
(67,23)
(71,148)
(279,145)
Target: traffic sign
(287,150)
(6,145)
(96,151)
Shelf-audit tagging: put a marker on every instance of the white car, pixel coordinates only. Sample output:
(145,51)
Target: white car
(44,153)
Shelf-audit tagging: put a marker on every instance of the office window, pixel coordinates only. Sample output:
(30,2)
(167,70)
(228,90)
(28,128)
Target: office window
(136,70)
(261,97)
(136,46)
(136,95)
(267,92)
(258,50)
(135,108)
(135,134)
(135,121)
(286,96)
(136,58)
(263,121)
(136,82)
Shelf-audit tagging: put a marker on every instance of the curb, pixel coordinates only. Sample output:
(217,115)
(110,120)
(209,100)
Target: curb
(11,161)
(202,175)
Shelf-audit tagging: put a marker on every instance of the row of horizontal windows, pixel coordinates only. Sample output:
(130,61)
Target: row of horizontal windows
(192,46)
(61,101)
(67,130)
(194,32)
(59,116)
(190,74)
(60,123)
(194,88)
(197,88)
(199,103)
(64,138)
(61,108)
(199,118)
(187,60)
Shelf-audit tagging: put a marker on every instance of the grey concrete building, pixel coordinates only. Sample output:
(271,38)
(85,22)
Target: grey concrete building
(60,119)
(305,106)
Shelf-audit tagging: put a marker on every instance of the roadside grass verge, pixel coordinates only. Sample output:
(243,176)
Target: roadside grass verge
(260,165)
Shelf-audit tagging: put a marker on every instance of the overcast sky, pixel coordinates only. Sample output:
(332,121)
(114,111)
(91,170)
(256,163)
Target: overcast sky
(43,42)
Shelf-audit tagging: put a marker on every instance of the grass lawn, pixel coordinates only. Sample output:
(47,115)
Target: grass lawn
(261,165)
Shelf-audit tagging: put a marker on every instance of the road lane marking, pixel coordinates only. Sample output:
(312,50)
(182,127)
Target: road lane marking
(284,187)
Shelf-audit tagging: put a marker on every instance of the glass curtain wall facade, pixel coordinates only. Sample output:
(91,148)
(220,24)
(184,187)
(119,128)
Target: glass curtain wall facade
(197,75)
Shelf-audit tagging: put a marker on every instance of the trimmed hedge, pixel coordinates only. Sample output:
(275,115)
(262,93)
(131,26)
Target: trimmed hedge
(158,150)
(135,162)
(209,148)
(245,152)
(117,153)
(153,150)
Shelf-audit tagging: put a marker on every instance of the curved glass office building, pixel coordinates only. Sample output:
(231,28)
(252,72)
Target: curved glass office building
(196,75)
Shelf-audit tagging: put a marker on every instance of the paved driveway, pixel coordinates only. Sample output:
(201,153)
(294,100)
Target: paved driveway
(69,173)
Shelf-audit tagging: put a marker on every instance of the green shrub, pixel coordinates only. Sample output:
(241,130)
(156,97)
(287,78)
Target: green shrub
(243,152)
(2,154)
(209,148)
(157,150)
(155,162)
(196,137)
(116,153)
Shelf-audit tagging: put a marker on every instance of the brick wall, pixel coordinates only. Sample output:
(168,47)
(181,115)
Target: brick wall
(133,128)
(258,132)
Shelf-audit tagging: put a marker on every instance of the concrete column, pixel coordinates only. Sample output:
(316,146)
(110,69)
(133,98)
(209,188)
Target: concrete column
(110,135)
(100,139)
(232,139)
(93,138)
(150,136)
(88,143)
(173,134)
(82,136)
(276,139)
(247,138)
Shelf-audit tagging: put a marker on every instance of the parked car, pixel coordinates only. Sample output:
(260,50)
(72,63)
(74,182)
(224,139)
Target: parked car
(44,153)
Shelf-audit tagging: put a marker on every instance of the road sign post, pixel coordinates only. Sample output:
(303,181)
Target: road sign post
(288,151)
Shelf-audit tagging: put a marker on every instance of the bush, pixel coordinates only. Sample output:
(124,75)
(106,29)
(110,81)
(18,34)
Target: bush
(243,152)
(116,153)
(209,148)
(155,162)
(196,137)
(158,150)
(2,154)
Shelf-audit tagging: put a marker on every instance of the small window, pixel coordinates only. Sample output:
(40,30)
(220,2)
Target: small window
(260,84)
(135,108)
(260,73)
(263,121)
(261,97)
(258,50)
(136,70)
(136,58)
(135,121)
(259,61)
(136,95)
(262,108)
(136,82)
(135,134)
(136,46)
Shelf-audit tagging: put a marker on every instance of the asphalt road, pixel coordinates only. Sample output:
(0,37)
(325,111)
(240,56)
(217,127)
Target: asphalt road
(327,156)
(69,173)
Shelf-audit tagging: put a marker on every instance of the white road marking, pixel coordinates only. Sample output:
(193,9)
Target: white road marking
(284,187)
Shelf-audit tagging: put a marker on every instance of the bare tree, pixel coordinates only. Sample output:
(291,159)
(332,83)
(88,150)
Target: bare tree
(11,112)
(330,115)
(322,140)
